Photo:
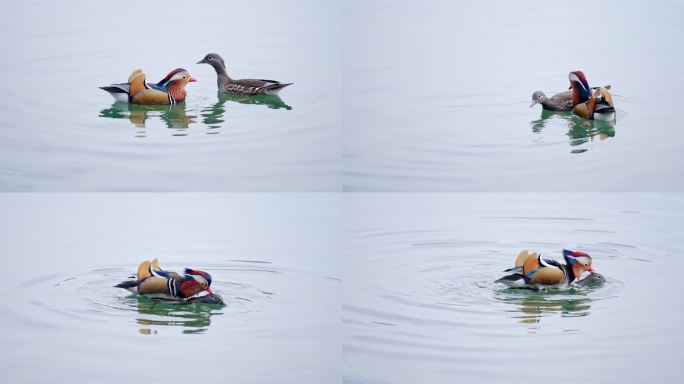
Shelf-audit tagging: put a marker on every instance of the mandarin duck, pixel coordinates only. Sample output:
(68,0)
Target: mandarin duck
(154,282)
(560,102)
(590,103)
(169,90)
(244,86)
(531,270)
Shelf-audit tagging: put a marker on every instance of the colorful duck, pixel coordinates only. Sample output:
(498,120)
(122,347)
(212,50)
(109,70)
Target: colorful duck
(560,102)
(531,270)
(154,282)
(588,103)
(244,86)
(169,90)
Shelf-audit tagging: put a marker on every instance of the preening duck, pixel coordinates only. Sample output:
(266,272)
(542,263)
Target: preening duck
(531,270)
(154,282)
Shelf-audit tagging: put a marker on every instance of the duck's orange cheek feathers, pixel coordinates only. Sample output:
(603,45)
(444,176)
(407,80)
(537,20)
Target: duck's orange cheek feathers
(578,270)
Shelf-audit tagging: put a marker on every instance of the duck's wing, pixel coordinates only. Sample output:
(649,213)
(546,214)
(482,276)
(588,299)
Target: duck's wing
(543,271)
(603,96)
(156,284)
(141,93)
(255,86)
(117,88)
(512,280)
(547,275)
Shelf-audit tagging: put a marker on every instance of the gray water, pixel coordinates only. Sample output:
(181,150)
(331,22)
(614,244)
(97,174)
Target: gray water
(59,132)
(274,261)
(437,95)
(421,304)
(323,281)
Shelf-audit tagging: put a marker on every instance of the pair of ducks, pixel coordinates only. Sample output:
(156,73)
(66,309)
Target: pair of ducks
(171,89)
(190,286)
(533,271)
(585,102)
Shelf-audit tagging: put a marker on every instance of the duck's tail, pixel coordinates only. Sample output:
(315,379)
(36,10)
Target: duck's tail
(137,81)
(273,89)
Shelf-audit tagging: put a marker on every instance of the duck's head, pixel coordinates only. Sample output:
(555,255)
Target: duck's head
(580,87)
(538,97)
(579,262)
(214,60)
(179,77)
(200,279)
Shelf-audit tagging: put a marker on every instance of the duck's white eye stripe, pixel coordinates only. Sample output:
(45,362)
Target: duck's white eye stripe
(200,279)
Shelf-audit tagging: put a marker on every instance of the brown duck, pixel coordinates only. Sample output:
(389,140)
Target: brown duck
(560,102)
(244,86)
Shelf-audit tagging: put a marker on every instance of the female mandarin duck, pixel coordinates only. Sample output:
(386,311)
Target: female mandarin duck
(169,90)
(531,270)
(154,282)
(560,102)
(244,86)
(591,104)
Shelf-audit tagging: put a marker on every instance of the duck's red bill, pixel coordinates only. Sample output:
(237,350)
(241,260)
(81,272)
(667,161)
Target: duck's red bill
(209,290)
(192,80)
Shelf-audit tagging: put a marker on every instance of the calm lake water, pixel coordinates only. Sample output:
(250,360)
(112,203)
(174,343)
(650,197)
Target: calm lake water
(421,304)
(59,132)
(273,259)
(437,95)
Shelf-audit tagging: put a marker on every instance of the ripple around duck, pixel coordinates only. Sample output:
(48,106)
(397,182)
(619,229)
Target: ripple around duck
(434,299)
(92,297)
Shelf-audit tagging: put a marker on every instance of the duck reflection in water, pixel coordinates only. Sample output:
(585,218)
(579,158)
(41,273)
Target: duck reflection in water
(194,317)
(174,116)
(580,130)
(534,304)
(213,116)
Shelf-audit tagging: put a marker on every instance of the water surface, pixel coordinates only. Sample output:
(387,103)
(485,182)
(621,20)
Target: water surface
(273,260)
(437,95)
(59,132)
(421,303)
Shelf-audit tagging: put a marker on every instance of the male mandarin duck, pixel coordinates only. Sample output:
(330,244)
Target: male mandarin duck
(531,270)
(169,90)
(588,103)
(154,282)
(244,86)
(560,102)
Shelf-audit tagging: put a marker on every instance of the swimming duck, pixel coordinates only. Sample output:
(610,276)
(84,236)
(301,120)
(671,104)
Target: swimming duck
(244,86)
(531,270)
(169,90)
(591,104)
(560,102)
(154,282)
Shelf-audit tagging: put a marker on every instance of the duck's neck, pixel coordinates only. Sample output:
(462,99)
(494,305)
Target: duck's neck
(177,91)
(569,273)
(220,69)
(189,287)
